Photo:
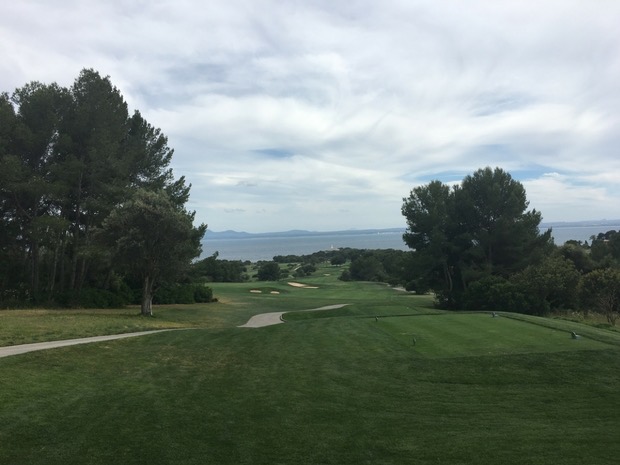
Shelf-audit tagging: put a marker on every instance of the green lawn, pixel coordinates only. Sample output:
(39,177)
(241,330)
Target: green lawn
(339,387)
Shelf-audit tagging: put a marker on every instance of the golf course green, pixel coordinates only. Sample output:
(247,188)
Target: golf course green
(386,379)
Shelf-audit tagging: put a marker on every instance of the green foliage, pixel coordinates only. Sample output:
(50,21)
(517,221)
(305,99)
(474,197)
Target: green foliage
(212,269)
(367,267)
(338,259)
(600,290)
(477,229)
(269,271)
(579,255)
(89,298)
(494,293)
(605,249)
(153,240)
(305,270)
(183,294)
(383,265)
(551,285)
(68,158)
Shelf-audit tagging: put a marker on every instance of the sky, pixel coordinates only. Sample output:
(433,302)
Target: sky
(323,115)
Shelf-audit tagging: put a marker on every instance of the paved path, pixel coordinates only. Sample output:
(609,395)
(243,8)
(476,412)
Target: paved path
(274,318)
(22,349)
(257,321)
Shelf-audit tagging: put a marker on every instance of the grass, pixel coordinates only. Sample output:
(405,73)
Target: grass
(333,387)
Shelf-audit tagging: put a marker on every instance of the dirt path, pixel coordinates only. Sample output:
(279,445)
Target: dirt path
(23,348)
(275,318)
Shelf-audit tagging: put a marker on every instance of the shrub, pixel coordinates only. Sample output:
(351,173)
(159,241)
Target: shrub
(268,271)
(89,298)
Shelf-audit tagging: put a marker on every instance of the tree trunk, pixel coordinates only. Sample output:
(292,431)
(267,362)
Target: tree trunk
(34,269)
(146,309)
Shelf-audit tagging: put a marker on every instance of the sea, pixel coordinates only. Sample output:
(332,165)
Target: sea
(257,247)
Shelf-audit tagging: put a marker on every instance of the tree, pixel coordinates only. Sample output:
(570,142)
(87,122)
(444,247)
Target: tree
(477,229)
(269,271)
(505,237)
(550,285)
(154,240)
(600,289)
(68,157)
(367,267)
(211,269)
(30,192)
(578,254)
(92,149)
(605,249)
(431,233)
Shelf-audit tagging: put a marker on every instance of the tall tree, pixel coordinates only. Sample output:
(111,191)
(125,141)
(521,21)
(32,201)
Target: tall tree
(31,192)
(154,240)
(68,157)
(8,231)
(93,159)
(431,230)
(504,235)
(476,229)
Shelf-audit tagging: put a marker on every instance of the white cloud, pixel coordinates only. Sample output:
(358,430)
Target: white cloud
(287,114)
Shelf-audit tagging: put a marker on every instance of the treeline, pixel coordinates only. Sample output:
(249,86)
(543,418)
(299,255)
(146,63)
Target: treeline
(476,246)
(90,211)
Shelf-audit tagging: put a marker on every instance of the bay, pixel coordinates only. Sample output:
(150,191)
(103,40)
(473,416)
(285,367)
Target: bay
(256,247)
(582,233)
(263,247)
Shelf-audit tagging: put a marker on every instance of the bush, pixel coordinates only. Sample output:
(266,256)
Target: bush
(89,298)
(183,294)
(305,270)
(202,294)
(268,271)
(495,293)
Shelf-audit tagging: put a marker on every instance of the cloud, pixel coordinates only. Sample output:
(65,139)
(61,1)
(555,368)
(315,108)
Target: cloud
(323,115)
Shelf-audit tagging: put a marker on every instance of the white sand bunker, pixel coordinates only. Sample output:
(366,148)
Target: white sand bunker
(256,291)
(302,286)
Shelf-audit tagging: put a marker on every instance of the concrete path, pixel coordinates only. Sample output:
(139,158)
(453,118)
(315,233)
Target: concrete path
(274,318)
(257,321)
(23,348)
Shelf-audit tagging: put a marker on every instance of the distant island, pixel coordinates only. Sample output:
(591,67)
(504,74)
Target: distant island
(579,224)
(230,234)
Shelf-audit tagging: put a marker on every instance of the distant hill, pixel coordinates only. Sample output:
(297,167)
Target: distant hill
(229,234)
(578,224)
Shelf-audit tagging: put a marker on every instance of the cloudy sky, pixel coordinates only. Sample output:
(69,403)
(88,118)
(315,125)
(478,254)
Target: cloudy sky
(323,115)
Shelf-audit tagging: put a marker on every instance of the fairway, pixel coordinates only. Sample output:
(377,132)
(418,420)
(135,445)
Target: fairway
(463,335)
(340,386)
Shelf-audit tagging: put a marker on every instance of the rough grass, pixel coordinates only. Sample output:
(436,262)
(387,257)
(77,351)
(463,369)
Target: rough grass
(331,389)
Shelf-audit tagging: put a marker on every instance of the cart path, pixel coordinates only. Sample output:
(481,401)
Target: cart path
(257,321)
(275,318)
(24,348)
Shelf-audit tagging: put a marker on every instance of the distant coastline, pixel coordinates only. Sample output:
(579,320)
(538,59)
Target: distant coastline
(580,224)
(239,245)
(230,234)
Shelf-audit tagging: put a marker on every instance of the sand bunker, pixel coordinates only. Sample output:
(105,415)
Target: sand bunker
(256,291)
(302,286)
